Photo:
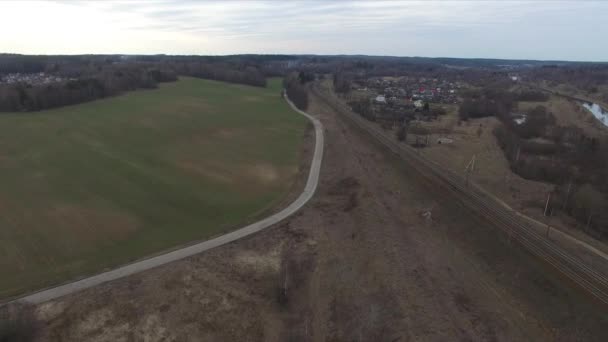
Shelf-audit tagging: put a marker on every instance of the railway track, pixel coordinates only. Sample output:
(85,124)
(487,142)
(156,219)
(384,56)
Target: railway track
(594,282)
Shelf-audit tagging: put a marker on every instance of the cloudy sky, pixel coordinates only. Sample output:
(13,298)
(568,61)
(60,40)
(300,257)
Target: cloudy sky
(576,30)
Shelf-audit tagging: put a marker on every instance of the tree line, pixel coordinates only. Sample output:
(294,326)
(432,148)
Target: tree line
(86,78)
(248,75)
(342,82)
(107,81)
(589,78)
(489,101)
(295,87)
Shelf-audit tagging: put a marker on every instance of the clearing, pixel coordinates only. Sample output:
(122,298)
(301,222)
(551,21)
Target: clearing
(95,185)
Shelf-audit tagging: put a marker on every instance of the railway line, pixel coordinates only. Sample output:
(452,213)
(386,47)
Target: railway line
(589,279)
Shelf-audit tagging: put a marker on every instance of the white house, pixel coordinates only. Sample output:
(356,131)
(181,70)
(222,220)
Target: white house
(380,99)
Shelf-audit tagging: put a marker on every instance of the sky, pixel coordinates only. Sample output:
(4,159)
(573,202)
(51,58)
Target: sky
(546,30)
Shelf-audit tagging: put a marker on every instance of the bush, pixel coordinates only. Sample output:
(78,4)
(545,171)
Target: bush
(587,200)
(489,102)
(419,130)
(296,91)
(508,141)
(538,148)
(537,169)
(537,121)
(363,108)
(532,96)
(472,109)
(401,133)
(438,111)
(386,125)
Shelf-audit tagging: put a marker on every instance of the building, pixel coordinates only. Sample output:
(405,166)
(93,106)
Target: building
(380,99)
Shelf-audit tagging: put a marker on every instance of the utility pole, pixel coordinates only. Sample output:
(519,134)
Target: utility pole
(588,222)
(474,160)
(470,168)
(547,204)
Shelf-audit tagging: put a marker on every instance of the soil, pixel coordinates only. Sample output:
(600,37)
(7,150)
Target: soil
(379,254)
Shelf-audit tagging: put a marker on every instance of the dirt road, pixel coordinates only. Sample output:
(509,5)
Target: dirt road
(361,262)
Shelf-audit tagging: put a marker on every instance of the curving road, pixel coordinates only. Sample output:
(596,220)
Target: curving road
(136,267)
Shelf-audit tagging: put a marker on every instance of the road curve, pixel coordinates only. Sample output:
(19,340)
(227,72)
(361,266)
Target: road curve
(136,267)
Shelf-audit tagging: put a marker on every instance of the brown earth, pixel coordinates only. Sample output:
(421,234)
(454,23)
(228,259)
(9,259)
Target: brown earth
(363,261)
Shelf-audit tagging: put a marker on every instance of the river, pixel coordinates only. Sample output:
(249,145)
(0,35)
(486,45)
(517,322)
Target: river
(598,112)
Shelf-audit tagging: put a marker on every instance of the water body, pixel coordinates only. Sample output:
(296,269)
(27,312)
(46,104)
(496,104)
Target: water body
(598,112)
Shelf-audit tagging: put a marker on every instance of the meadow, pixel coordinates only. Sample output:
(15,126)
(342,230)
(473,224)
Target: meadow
(88,187)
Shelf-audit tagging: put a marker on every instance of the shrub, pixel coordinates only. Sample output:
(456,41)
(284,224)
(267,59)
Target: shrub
(532,96)
(296,92)
(401,133)
(587,200)
(537,121)
(537,169)
(539,148)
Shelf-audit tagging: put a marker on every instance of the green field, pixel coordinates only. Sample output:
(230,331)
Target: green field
(91,186)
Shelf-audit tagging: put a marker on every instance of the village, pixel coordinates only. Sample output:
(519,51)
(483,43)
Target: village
(33,79)
(393,101)
(416,90)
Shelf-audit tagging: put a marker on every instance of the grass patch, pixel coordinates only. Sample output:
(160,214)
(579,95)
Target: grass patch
(95,185)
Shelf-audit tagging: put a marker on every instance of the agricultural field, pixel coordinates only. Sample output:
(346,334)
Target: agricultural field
(91,186)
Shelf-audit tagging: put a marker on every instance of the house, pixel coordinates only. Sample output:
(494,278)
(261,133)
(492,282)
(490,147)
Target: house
(519,118)
(380,99)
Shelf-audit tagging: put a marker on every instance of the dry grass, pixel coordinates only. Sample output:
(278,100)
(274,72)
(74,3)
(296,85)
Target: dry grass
(491,170)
